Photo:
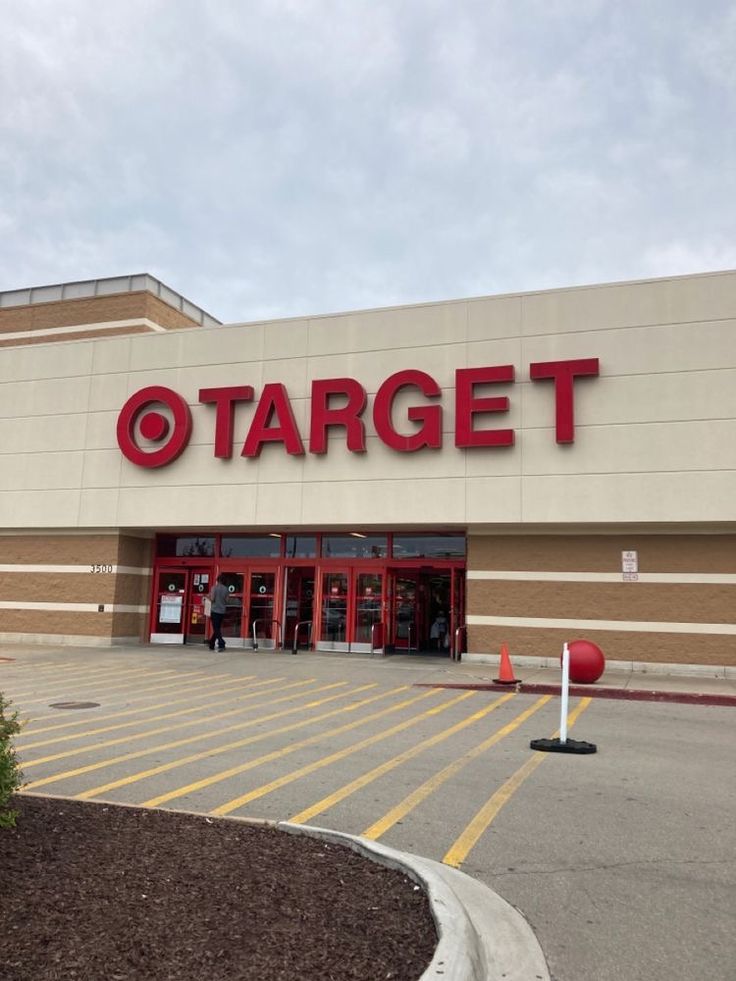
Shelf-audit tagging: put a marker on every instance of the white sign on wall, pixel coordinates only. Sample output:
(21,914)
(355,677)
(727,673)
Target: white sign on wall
(630,566)
(171,609)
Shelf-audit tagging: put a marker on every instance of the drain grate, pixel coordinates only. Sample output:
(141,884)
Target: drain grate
(74,705)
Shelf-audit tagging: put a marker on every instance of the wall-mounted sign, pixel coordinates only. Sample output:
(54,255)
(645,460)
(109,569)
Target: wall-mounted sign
(170,609)
(630,566)
(340,403)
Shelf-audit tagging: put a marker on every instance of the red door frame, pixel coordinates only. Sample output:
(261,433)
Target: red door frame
(385,567)
(246,568)
(188,571)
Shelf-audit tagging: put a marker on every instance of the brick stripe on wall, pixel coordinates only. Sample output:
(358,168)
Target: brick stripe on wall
(535,592)
(63,599)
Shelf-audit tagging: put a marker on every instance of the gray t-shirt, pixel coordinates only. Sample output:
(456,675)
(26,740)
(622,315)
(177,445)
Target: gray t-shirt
(218,598)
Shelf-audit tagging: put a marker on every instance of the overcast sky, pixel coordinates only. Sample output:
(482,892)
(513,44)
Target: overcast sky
(273,158)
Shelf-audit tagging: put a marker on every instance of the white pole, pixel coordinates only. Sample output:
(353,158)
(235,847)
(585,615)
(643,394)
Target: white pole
(565,693)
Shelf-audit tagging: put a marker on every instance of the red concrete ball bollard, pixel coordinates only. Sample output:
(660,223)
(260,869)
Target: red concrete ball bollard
(587,662)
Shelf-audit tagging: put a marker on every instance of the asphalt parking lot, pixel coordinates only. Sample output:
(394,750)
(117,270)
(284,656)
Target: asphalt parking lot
(622,861)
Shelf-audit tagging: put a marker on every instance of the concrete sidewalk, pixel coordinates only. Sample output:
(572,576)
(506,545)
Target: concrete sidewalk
(667,683)
(715,685)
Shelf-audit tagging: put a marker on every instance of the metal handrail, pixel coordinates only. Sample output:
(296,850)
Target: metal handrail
(456,653)
(382,646)
(264,620)
(301,623)
(409,645)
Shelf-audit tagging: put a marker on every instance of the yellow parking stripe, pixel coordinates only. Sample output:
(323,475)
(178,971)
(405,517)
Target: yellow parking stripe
(78,750)
(334,757)
(76,673)
(459,851)
(125,757)
(189,710)
(40,666)
(292,747)
(302,817)
(195,678)
(125,684)
(81,674)
(415,798)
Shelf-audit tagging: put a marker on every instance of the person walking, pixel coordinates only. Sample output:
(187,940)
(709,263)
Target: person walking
(218,599)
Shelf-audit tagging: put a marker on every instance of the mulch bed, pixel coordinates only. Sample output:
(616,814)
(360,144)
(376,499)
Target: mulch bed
(93,891)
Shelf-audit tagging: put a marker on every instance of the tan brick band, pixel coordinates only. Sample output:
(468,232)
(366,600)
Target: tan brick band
(90,310)
(602,553)
(80,335)
(62,599)
(683,603)
(103,626)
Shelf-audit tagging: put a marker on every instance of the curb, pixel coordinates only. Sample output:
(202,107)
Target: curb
(621,694)
(481,936)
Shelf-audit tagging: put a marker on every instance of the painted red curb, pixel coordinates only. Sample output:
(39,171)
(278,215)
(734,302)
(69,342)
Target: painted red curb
(622,694)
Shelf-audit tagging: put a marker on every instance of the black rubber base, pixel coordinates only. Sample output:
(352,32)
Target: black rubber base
(498,681)
(555,746)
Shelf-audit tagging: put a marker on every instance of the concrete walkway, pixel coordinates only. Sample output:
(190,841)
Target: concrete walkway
(662,682)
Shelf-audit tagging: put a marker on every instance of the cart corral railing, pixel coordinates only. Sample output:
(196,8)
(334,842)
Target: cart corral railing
(276,638)
(297,628)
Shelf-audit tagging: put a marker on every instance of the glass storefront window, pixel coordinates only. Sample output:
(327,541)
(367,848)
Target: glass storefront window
(256,546)
(170,602)
(262,585)
(334,606)
(232,624)
(354,546)
(368,594)
(184,546)
(301,546)
(429,547)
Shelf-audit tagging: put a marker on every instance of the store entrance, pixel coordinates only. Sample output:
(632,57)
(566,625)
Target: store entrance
(420,611)
(299,606)
(377,593)
(179,615)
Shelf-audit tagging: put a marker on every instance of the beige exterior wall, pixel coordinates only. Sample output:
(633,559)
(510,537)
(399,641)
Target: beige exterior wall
(51,588)
(655,435)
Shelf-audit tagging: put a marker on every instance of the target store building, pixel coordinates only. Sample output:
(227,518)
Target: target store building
(522,469)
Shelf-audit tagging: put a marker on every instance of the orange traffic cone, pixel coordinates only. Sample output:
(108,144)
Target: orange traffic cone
(506,672)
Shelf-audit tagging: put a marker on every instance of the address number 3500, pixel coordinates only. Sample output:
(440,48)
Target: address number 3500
(100,568)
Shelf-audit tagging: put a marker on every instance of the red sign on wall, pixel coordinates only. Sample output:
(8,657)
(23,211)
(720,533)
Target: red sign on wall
(341,403)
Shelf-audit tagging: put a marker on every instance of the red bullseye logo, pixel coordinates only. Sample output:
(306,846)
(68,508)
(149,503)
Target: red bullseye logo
(140,412)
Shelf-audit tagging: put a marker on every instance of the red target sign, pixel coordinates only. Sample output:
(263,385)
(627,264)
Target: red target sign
(140,418)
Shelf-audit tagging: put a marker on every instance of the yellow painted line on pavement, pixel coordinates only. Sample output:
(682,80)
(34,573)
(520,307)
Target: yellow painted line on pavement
(459,851)
(31,676)
(292,747)
(126,682)
(303,771)
(195,678)
(188,723)
(189,710)
(137,754)
(429,786)
(81,674)
(303,817)
(41,666)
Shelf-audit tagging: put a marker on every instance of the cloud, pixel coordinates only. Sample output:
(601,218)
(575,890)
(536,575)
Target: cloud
(291,157)
(678,257)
